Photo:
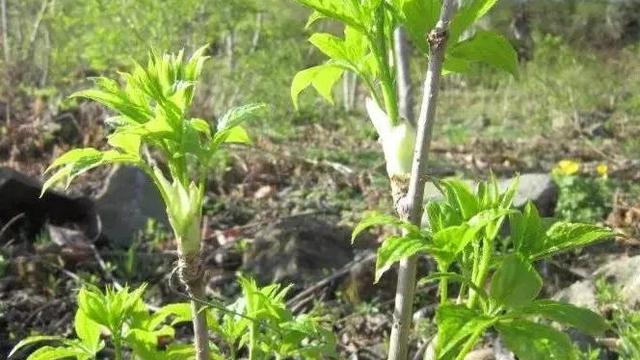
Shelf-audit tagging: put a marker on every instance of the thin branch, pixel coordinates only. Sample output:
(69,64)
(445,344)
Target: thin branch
(411,206)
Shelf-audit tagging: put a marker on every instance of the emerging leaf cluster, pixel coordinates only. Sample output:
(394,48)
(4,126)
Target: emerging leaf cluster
(261,322)
(499,285)
(152,109)
(121,315)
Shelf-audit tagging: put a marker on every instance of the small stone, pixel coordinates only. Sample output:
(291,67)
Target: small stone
(127,203)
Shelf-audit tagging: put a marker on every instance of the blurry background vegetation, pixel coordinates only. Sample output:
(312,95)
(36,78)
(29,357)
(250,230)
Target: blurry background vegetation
(581,58)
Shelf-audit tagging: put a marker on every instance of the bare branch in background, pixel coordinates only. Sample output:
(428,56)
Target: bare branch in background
(405,90)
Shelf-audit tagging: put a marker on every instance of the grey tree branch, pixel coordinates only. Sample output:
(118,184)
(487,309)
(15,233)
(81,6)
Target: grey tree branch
(405,90)
(411,206)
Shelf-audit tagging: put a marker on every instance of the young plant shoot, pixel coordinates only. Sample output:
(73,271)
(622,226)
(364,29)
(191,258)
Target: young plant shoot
(498,282)
(152,110)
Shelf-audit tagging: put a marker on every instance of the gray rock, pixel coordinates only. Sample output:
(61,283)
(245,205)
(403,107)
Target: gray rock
(581,293)
(127,203)
(299,249)
(623,273)
(537,187)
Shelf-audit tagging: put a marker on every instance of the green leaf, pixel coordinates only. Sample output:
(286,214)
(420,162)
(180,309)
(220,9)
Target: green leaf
(127,141)
(459,194)
(377,219)
(527,230)
(420,17)
(238,135)
(34,339)
(54,353)
(180,311)
(566,236)
(487,48)
(73,156)
(442,215)
(455,324)
(531,341)
(330,45)
(321,77)
(582,319)
(201,125)
(92,303)
(396,248)
(240,114)
(346,11)
(516,283)
(88,331)
(449,243)
(77,162)
(467,15)
(313,18)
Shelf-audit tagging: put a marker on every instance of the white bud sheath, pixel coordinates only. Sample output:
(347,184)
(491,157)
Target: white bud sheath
(397,141)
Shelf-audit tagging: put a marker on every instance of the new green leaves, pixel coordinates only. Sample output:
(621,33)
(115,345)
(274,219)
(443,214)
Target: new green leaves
(532,341)
(321,77)
(515,283)
(456,323)
(484,47)
(534,239)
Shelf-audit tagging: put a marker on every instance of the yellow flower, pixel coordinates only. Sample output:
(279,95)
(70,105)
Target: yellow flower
(603,170)
(567,167)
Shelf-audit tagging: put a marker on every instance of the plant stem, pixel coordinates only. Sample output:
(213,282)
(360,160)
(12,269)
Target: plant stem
(411,207)
(252,341)
(192,277)
(471,342)
(483,270)
(444,290)
(200,331)
(117,344)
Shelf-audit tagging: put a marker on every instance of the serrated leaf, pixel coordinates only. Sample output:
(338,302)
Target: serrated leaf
(566,236)
(313,18)
(488,48)
(377,219)
(33,340)
(321,77)
(580,318)
(346,11)
(449,243)
(396,248)
(240,114)
(181,313)
(420,16)
(88,331)
(201,125)
(531,341)
(515,283)
(467,15)
(330,45)
(459,194)
(55,353)
(455,324)
(527,230)
(127,141)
